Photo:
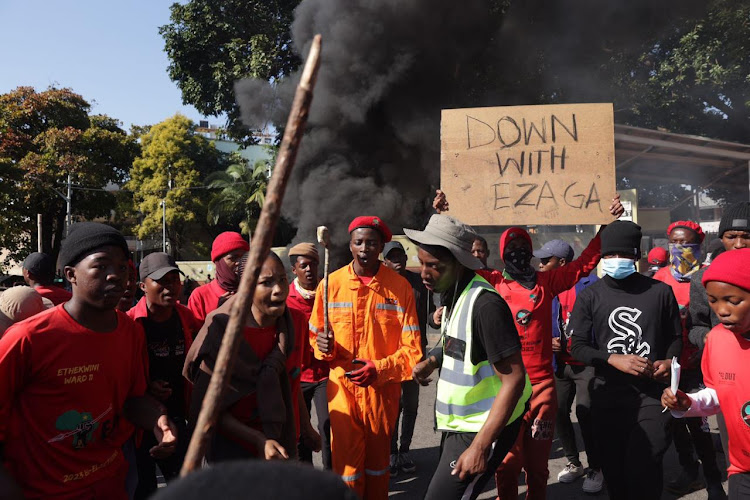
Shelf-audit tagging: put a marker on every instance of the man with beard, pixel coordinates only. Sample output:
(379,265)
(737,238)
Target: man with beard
(529,294)
(226,252)
(372,346)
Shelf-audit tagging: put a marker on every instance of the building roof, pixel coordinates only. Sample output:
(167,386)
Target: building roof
(681,159)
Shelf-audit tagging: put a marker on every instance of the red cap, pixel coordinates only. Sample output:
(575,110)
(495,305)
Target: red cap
(731,267)
(687,224)
(372,222)
(226,242)
(658,256)
(512,233)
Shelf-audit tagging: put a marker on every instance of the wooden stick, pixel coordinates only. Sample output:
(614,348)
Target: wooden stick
(325,240)
(269,217)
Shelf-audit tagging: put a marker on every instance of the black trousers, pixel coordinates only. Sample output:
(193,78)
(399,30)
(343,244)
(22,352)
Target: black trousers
(169,466)
(445,486)
(407,411)
(631,442)
(693,432)
(739,486)
(722,424)
(571,382)
(689,432)
(316,391)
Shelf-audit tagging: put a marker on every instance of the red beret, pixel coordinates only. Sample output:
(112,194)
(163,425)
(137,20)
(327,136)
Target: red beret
(512,233)
(658,256)
(688,224)
(372,222)
(226,242)
(731,267)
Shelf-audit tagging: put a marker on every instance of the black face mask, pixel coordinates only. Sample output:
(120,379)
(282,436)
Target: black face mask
(518,266)
(518,259)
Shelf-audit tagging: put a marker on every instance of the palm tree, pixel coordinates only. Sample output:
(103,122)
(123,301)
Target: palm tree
(242,191)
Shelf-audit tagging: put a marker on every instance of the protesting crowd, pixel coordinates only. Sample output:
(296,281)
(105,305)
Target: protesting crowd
(98,389)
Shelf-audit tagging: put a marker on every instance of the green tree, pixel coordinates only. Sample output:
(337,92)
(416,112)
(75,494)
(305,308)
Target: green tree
(173,162)
(44,137)
(213,44)
(242,191)
(697,80)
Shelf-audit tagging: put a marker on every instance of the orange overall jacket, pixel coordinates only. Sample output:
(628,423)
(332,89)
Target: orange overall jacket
(375,322)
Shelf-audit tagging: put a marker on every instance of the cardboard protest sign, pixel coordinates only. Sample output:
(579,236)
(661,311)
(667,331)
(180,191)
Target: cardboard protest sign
(525,165)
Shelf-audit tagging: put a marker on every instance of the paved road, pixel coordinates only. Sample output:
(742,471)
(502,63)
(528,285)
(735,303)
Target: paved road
(425,453)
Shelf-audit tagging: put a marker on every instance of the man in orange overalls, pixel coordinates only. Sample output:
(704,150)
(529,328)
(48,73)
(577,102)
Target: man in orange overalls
(372,346)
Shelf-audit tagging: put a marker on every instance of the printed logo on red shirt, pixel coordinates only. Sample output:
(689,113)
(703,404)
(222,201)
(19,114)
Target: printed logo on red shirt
(81,426)
(746,413)
(523,317)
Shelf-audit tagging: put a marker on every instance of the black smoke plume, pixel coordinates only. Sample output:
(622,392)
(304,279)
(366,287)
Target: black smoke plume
(388,67)
(373,145)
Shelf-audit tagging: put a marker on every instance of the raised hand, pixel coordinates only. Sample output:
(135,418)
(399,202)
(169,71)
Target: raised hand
(616,208)
(440,203)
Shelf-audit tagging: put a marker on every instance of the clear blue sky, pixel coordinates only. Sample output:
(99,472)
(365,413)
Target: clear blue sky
(109,52)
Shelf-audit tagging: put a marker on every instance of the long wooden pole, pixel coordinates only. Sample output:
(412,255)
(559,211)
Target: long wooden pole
(259,249)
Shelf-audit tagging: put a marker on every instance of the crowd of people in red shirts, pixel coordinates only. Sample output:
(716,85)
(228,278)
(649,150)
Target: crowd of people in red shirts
(98,389)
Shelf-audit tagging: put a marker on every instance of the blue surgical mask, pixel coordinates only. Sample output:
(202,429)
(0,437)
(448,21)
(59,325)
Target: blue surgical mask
(618,268)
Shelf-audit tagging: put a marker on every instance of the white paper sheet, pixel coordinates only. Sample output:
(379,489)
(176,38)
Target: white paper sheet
(676,370)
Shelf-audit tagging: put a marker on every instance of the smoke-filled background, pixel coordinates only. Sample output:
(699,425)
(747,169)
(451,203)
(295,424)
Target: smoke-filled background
(388,67)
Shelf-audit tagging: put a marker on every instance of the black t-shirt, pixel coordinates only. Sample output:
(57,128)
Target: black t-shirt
(635,315)
(494,331)
(166,356)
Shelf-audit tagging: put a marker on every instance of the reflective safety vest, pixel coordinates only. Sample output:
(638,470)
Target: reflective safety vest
(465,391)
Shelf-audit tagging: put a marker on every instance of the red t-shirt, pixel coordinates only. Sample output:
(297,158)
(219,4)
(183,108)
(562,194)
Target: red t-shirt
(205,299)
(726,369)
(532,309)
(681,292)
(61,399)
(262,340)
(54,293)
(567,301)
(313,369)
(365,279)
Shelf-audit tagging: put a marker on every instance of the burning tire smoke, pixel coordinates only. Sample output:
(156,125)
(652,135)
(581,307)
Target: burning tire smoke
(389,67)
(373,145)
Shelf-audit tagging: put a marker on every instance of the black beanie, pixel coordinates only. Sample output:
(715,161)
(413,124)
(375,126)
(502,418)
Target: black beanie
(621,236)
(735,218)
(85,237)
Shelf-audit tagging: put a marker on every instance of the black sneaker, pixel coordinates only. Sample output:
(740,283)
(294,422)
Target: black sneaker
(406,463)
(394,462)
